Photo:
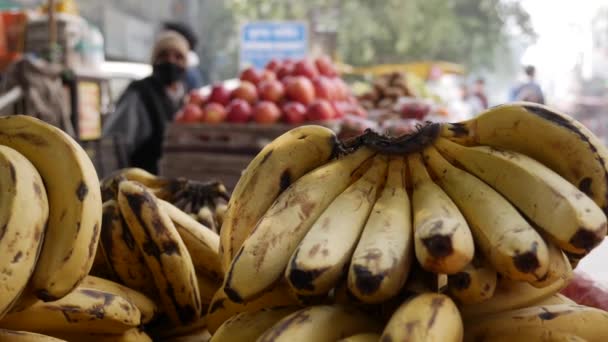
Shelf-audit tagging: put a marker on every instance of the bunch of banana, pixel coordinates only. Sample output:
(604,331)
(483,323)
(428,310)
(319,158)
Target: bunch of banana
(50,213)
(204,201)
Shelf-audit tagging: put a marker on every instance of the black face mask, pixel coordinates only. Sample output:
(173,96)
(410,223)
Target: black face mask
(167,73)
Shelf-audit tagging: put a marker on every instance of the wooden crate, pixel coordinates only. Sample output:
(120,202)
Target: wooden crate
(216,152)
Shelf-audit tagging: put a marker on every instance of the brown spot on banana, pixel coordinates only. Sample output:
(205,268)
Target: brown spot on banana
(285,181)
(94,241)
(266,157)
(439,246)
(527,262)
(367,282)
(17,257)
(436,304)
(185,313)
(3,231)
(300,279)
(13,172)
(82,191)
(460,281)
(586,239)
(585,186)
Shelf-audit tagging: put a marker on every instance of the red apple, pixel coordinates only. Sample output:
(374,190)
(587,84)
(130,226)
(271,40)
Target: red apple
(285,70)
(320,110)
(300,89)
(325,66)
(190,113)
(195,97)
(305,68)
(294,113)
(273,65)
(239,111)
(271,90)
(252,75)
(215,113)
(338,109)
(245,91)
(266,112)
(219,94)
(324,88)
(267,75)
(341,89)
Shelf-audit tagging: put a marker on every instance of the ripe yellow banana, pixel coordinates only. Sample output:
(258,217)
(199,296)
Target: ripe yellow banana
(266,252)
(557,298)
(559,268)
(131,335)
(122,253)
(275,168)
(248,326)
(72,186)
(442,238)
(319,260)
(427,317)
(475,283)
(164,252)
(588,323)
(206,217)
(202,243)
(556,206)
(321,323)
(554,139)
(25,336)
(220,212)
(148,308)
(381,262)
(82,310)
(222,308)
(24,211)
(538,334)
(503,236)
(511,295)
(362,338)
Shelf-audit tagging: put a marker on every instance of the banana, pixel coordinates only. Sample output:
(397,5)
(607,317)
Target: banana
(442,238)
(72,186)
(510,295)
(148,308)
(220,212)
(164,252)
(559,268)
(222,308)
(504,237)
(554,139)
(321,323)
(158,185)
(427,317)
(381,261)
(82,310)
(266,252)
(131,335)
(100,266)
(475,283)
(319,260)
(275,168)
(25,336)
(200,335)
(122,253)
(556,206)
(362,338)
(591,324)
(24,211)
(202,243)
(248,326)
(538,334)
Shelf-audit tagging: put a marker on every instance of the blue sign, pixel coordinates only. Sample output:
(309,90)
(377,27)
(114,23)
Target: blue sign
(262,41)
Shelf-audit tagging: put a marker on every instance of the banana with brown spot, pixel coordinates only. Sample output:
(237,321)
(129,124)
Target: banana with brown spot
(442,238)
(362,338)
(591,324)
(513,247)
(475,283)
(164,252)
(556,206)
(71,182)
(321,323)
(25,336)
(24,211)
(248,326)
(122,254)
(266,252)
(559,269)
(319,260)
(381,262)
(131,335)
(82,310)
(276,167)
(428,317)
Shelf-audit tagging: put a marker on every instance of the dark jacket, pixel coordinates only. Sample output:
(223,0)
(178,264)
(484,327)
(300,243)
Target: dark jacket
(142,114)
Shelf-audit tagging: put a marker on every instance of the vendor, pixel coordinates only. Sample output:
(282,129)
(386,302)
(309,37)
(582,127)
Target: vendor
(148,105)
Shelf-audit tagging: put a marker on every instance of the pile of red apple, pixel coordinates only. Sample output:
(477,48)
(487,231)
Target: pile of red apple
(285,91)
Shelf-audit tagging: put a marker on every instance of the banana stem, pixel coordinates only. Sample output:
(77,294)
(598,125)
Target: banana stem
(403,145)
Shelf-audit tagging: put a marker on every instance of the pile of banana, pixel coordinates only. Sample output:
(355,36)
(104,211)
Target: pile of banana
(498,209)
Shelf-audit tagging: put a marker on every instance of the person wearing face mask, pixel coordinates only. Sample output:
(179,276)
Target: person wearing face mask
(147,106)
